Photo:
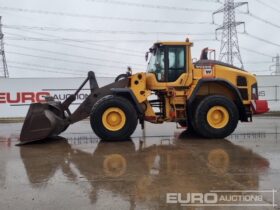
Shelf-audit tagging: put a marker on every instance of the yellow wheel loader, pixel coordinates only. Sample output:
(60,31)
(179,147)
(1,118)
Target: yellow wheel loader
(207,96)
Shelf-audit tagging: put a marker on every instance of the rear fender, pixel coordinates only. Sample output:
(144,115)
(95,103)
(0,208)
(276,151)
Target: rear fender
(243,115)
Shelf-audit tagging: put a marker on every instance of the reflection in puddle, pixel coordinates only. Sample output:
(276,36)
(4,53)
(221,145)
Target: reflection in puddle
(142,173)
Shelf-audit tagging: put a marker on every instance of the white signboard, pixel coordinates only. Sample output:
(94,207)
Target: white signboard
(17,94)
(269,89)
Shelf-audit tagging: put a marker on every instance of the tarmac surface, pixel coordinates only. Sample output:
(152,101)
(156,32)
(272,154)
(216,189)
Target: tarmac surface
(79,171)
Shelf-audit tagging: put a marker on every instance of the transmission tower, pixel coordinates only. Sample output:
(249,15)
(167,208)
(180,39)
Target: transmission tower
(229,50)
(3,64)
(276,65)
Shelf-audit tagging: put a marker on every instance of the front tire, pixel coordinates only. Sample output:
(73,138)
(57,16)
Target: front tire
(216,117)
(113,118)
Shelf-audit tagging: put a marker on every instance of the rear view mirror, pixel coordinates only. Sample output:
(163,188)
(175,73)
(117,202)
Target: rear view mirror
(146,56)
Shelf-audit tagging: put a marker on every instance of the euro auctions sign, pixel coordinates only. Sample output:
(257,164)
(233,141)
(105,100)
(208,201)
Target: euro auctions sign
(17,94)
(25,98)
(224,198)
(22,97)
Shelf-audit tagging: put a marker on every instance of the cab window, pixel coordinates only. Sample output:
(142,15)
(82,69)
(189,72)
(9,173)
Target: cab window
(156,64)
(176,62)
(168,63)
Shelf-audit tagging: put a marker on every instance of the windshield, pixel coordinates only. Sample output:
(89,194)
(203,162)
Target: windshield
(156,63)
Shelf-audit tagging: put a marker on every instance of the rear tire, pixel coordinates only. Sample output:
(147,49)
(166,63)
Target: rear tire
(113,118)
(216,117)
(188,126)
(183,123)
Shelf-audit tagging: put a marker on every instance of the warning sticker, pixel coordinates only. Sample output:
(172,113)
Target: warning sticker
(208,71)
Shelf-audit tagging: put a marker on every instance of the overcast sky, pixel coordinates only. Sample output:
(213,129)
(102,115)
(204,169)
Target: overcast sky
(72,37)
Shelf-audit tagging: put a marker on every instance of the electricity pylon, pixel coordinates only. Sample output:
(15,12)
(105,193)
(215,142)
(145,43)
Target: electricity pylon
(229,50)
(3,64)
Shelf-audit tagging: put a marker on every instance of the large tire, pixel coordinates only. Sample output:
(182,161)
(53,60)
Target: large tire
(189,128)
(183,123)
(216,117)
(113,118)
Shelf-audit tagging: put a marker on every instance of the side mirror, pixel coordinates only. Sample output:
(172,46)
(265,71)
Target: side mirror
(194,60)
(146,56)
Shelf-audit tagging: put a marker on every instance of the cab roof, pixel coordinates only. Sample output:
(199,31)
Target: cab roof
(174,43)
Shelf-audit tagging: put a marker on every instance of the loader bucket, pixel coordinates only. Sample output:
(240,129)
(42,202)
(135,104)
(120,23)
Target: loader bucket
(43,120)
(49,119)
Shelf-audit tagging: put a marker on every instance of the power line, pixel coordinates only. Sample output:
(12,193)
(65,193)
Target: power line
(261,39)
(26,38)
(262,20)
(132,52)
(62,60)
(45,28)
(267,5)
(78,15)
(256,52)
(86,47)
(151,6)
(42,70)
(55,68)
(70,55)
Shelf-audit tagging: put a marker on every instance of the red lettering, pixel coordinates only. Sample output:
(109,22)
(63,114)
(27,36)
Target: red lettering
(2,98)
(28,96)
(11,101)
(40,96)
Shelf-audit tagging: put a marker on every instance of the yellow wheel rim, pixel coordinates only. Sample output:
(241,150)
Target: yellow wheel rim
(218,161)
(114,165)
(217,117)
(113,119)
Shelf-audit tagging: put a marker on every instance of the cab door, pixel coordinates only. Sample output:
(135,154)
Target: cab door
(176,62)
(170,68)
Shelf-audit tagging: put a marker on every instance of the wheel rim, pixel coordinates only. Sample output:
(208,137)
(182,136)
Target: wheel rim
(113,119)
(217,117)
(114,165)
(218,161)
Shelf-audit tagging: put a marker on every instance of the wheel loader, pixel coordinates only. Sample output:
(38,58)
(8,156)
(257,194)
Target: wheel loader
(207,97)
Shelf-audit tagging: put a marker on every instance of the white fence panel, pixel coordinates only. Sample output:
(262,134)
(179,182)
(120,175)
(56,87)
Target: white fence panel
(17,94)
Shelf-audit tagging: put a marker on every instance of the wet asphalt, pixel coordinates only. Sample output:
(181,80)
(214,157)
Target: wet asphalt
(78,171)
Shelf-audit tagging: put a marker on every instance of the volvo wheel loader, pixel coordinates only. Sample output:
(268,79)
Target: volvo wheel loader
(208,97)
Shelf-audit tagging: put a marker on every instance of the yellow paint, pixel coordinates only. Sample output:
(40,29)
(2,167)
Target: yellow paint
(217,117)
(175,43)
(149,112)
(179,91)
(183,81)
(113,119)
(138,87)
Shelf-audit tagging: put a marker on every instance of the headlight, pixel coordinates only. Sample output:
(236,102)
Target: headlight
(255,94)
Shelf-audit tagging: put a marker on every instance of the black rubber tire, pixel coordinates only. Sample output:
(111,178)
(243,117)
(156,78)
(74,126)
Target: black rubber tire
(183,123)
(121,103)
(201,125)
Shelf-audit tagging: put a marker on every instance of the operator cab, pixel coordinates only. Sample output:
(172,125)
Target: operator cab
(167,61)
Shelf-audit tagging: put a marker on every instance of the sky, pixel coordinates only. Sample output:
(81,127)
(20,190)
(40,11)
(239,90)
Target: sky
(67,38)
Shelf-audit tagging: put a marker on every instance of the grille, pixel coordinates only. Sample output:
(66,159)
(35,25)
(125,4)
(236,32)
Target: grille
(241,81)
(244,93)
